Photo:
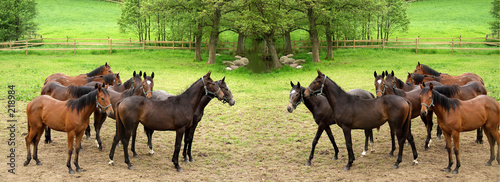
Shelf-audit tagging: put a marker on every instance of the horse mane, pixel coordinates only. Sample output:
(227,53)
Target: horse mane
(399,92)
(399,82)
(96,71)
(129,92)
(128,83)
(340,91)
(77,92)
(84,101)
(430,70)
(108,79)
(448,91)
(443,101)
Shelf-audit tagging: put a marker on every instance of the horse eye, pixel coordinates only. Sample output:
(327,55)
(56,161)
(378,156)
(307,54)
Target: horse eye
(102,99)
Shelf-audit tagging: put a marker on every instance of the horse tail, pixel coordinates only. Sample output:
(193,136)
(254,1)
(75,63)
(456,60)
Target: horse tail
(407,125)
(120,128)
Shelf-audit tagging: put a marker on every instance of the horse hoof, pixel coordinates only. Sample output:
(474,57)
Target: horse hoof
(130,167)
(391,155)
(26,163)
(186,160)
(335,157)
(447,170)
(88,137)
(488,164)
(135,155)
(39,163)
(179,169)
(79,170)
(111,163)
(48,141)
(395,166)
(308,163)
(479,141)
(191,160)
(415,162)
(71,172)
(363,154)
(455,172)
(346,168)
(438,137)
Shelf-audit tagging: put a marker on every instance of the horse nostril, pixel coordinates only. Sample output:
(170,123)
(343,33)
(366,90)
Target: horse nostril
(290,109)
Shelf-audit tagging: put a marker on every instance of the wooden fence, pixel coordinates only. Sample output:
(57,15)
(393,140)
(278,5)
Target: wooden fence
(76,44)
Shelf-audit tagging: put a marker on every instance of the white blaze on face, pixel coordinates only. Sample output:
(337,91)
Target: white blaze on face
(292,92)
(379,81)
(148,82)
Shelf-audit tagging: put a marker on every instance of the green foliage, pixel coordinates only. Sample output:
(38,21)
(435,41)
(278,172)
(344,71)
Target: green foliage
(16,19)
(495,12)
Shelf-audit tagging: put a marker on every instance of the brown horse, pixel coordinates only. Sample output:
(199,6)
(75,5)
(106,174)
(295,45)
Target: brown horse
(130,83)
(395,82)
(352,112)
(67,80)
(144,88)
(455,116)
(109,79)
(464,78)
(70,116)
(188,139)
(323,115)
(175,113)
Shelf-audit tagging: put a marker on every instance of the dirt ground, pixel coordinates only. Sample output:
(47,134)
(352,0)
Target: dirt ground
(248,151)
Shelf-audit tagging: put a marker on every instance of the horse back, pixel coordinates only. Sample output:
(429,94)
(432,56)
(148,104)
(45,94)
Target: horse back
(50,111)
(480,111)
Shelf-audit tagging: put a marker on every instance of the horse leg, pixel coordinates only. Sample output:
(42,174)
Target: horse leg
(438,132)
(35,145)
(178,140)
(315,141)
(149,134)
(393,147)
(116,139)
(447,138)
(400,134)
(77,148)
(29,139)
(491,141)
(191,136)
(71,137)
(132,148)
(330,136)
(456,142)
(125,139)
(411,140)
(368,134)
(348,143)
(47,135)
(87,132)
(99,119)
(188,139)
(428,124)
(479,136)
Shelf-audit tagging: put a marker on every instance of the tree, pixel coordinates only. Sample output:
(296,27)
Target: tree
(16,19)
(495,24)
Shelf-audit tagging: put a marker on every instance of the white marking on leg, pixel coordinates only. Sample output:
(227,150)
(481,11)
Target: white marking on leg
(363,153)
(151,152)
(97,143)
(415,162)
(430,141)
(110,162)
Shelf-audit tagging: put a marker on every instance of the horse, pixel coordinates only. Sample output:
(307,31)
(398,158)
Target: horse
(67,80)
(416,79)
(466,92)
(175,113)
(323,115)
(188,139)
(71,116)
(455,116)
(352,112)
(109,79)
(395,82)
(60,92)
(144,89)
(383,88)
(426,70)
(132,82)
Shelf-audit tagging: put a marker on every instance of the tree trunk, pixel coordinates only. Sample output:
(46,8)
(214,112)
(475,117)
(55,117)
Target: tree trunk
(198,37)
(329,52)
(288,44)
(275,62)
(313,35)
(214,35)
(240,49)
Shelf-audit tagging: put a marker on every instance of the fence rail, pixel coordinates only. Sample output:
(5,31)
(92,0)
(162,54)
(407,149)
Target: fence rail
(76,44)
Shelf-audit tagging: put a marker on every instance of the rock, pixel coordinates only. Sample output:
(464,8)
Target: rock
(299,67)
(300,61)
(282,59)
(217,54)
(245,61)
(310,53)
(229,68)
(228,63)
(237,57)
(289,61)
(233,67)
(294,65)
(239,62)
(289,55)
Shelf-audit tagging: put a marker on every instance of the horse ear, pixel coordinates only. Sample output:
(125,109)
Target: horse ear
(418,63)
(392,72)
(383,74)
(386,73)
(375,74)
(291,83)
(298,84)
(144,75)
(106,64)
(319,73)
(222,81)
(153,75)
(431,86)
(133,74)
(208,74)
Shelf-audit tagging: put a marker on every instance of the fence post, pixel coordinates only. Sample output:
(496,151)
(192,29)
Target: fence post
(182,42)
(74,46)
(452,46)
(383,44)
(190,44)
(67,41)
(110,46)
(155,42)
(10,44)
(460,44)
(416,44)
(41,38)
(486,39)
(26,46)
(173,44)
(130,40)
(354,43)
(143,45)
(371,41)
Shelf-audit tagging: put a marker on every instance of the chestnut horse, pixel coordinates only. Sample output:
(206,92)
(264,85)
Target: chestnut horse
(323,115)
(70,116)
(461,79)
(352,112)
(188,139)
(455,116)
(67,80)
(175,113)
(109,79)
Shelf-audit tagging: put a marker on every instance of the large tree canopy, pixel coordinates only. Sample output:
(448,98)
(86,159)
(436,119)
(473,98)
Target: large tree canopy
(16,19)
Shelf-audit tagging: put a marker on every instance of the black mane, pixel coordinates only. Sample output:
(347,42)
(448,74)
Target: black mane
(96,71)
(399,83)
(448,91)
(77,92)
(430,70)
(441,100)
(128,83)
(108,79)
(80,103)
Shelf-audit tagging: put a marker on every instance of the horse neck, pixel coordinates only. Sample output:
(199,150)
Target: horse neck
(334,93)
(193,95)
(309,102)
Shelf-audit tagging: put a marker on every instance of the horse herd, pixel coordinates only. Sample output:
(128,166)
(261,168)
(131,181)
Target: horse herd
(459,102)
(66,103)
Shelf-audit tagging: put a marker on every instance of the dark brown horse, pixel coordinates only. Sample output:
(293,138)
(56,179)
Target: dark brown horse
(175,113)
(323,115)
(109,79)
(130,83)
(188,139)
(464,78)
(144,88)
(455,116)
(352,112)
(70,116)
(395,82)
(68,80)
